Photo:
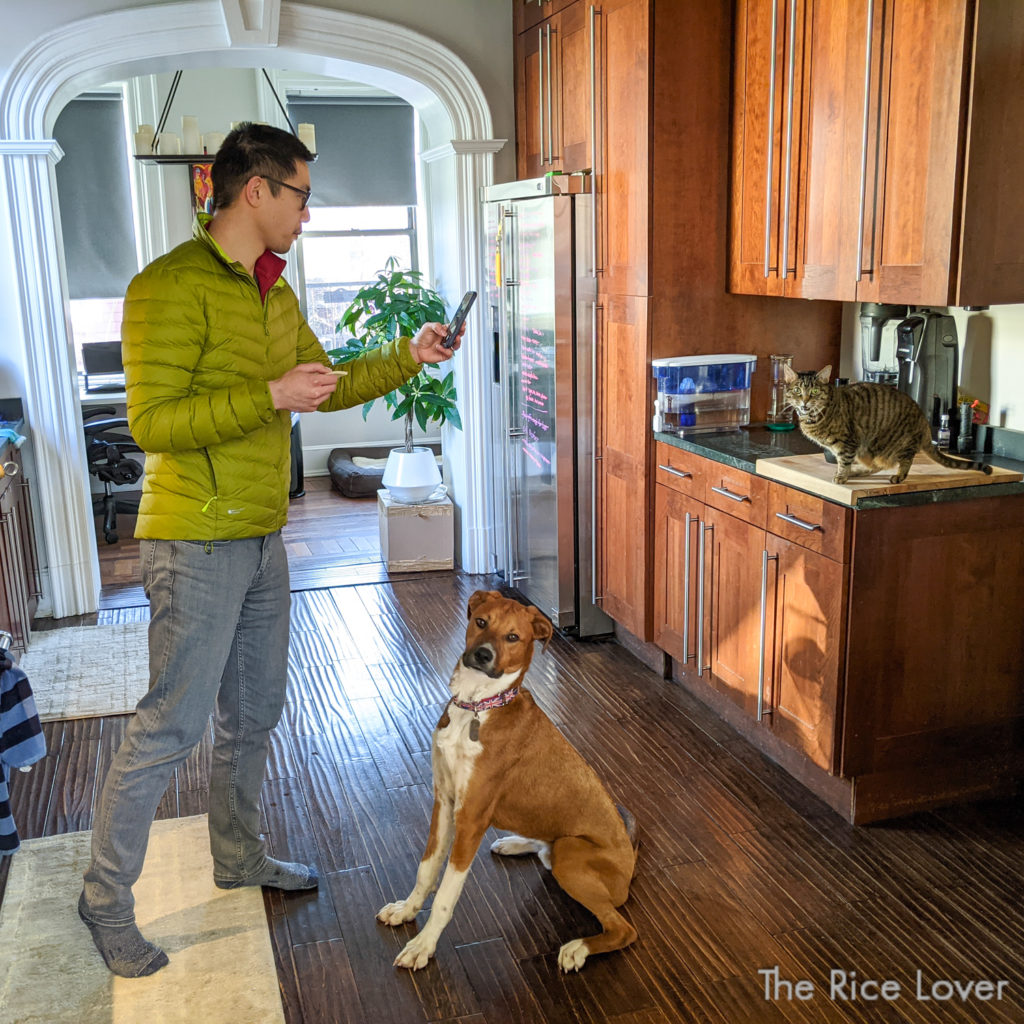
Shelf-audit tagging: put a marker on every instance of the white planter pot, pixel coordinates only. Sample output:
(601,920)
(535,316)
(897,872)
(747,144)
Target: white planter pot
(411,476)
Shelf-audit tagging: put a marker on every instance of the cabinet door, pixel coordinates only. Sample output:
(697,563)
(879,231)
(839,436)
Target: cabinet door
(733,606)
(528,13)
(823,192)
(805,661)
(624,415)
(758,106)
(531,104)
(677,521)
(623,159)
(912,227)
(571,86)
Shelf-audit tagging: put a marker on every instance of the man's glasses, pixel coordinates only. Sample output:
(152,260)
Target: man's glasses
(304,192)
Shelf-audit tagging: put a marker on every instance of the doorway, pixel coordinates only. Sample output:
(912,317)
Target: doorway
(162,37)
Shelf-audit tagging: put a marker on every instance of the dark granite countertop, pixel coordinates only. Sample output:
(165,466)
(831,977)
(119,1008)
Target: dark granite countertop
(741,449)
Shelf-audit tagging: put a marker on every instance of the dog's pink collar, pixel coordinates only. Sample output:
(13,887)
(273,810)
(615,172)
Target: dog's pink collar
(497,701)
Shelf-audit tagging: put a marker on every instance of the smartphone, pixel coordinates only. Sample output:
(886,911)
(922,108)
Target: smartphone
(459,319)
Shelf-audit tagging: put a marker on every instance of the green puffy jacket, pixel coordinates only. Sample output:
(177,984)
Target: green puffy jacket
(199,346)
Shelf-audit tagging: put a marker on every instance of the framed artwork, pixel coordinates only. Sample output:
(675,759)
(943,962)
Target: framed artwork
(202,187)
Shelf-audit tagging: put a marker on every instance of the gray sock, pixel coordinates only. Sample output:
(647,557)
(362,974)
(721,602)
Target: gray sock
(123,948)
(277,874)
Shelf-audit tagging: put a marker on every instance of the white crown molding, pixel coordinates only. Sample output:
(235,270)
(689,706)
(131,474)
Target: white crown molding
(49,148)
(252,22)
(462,147)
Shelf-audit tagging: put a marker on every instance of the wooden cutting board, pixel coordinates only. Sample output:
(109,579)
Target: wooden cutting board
(812,473)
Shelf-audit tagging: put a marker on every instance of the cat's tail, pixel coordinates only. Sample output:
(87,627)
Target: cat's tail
(953,462)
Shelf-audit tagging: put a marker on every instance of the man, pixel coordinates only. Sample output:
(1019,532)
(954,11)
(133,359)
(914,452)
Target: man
(217,355)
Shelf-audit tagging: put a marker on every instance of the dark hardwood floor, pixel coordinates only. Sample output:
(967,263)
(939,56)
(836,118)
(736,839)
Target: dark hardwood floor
(740,869)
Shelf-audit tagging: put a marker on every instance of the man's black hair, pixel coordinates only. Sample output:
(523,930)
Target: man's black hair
(254,149)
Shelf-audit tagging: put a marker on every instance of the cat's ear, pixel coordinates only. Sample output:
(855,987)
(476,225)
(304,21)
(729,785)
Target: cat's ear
(790,375)
(823,375)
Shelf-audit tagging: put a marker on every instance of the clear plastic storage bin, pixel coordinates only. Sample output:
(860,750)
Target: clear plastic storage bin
(702,393)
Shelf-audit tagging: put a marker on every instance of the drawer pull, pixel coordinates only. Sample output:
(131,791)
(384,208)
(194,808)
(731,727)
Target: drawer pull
(674,472)
(797,522)
(729,494)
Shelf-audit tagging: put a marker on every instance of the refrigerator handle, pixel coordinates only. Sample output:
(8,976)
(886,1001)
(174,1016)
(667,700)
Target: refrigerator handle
(507,338)
(594,596)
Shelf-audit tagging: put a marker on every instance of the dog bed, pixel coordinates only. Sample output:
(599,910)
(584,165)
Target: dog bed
(359,472)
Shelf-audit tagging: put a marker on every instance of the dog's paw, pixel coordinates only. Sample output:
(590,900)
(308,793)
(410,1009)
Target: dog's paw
(516,846)
(416,954)
(573,955)
(396,913)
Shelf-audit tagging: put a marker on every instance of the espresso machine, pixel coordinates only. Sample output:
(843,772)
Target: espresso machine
(928,356)
(914,350)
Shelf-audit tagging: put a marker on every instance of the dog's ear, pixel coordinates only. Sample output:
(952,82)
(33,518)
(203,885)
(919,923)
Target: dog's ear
(478,599)
(542,628)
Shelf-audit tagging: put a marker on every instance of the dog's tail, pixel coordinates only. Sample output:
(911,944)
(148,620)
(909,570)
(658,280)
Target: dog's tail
(630,822)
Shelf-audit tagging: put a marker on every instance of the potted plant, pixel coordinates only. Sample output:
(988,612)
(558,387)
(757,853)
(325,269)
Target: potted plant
(397,303)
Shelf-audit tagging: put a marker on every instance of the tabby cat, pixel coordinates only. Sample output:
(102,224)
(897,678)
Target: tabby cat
(868,427)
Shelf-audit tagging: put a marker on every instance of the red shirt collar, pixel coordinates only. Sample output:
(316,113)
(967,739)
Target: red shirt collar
(267,270)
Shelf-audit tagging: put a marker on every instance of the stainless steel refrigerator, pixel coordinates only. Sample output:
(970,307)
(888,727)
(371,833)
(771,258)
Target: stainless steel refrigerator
(542,307)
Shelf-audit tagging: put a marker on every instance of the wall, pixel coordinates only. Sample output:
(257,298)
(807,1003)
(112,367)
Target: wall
(991,358)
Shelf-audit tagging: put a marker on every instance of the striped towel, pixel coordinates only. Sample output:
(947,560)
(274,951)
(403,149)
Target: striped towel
(21,743)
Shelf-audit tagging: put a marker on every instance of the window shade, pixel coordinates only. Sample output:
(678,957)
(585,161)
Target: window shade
(95,197)
(364,150)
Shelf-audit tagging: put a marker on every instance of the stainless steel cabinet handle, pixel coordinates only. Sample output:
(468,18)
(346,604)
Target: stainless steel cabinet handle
(675,472)
(729,494)
(864,140)
(551,145)
(594,12)
(686,588)
(771,145)
(765,559)
(787,175)
(593,448)
(700,599)
(540,92)
(797,522)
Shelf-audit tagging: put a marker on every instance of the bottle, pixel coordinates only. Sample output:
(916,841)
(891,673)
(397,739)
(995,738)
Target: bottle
(780,415)
(943,439)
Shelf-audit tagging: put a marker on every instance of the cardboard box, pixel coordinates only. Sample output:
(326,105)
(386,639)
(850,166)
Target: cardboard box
(414,538)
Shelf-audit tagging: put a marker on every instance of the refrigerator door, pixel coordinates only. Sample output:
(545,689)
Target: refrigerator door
(541,435)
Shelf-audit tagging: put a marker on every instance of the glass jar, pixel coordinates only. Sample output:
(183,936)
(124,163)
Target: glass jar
(780,415)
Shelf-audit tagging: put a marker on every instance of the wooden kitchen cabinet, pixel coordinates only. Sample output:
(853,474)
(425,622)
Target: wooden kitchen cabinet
(554,93)
(527,13)
(19,569)
(841,189)
(857,689)
(659,164)
(751,614)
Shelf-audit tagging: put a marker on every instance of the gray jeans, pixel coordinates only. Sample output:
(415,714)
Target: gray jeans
(218,641)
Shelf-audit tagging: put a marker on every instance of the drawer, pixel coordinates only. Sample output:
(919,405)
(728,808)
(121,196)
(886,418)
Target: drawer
(682,471)
(809,521)
(736,492)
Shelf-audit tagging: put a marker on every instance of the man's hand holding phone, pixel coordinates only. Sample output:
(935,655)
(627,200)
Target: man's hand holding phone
(434,342)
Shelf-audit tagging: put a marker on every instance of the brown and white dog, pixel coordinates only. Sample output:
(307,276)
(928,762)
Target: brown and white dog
(498,760)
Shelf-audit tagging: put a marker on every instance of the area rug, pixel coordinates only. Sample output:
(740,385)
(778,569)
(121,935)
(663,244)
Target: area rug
(222,963)
(85,671)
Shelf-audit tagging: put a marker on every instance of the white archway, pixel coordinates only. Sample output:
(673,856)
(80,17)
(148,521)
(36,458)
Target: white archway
(197,33)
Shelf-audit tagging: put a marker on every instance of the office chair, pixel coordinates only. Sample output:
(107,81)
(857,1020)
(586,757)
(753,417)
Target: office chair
(106,441)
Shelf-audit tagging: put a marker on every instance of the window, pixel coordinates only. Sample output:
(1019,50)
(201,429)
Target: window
(342,249)
(363,208)
(97,221)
